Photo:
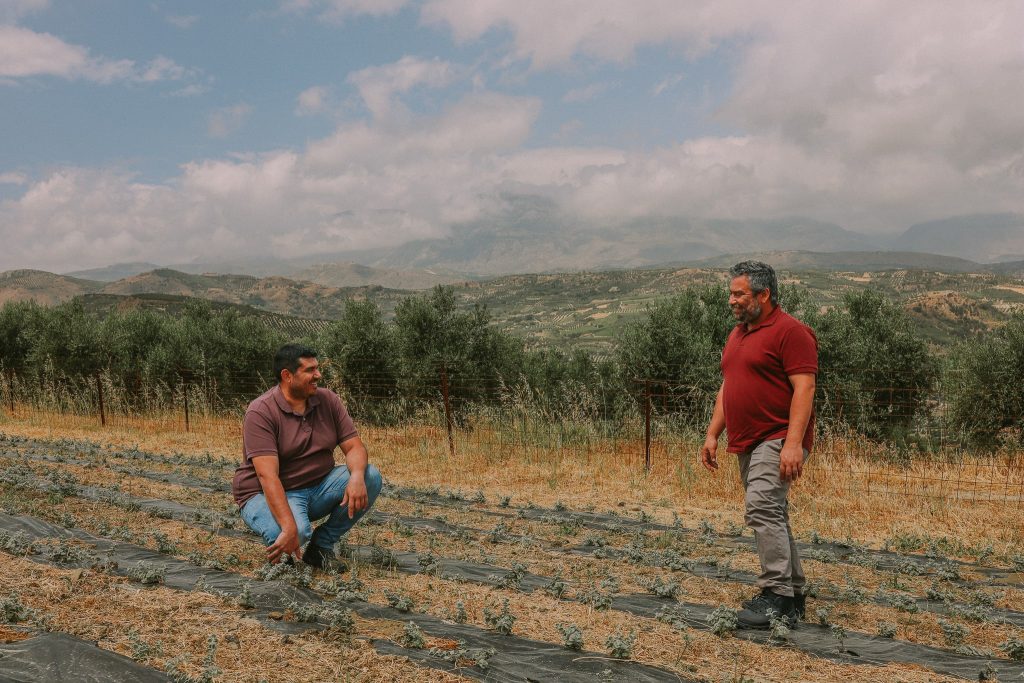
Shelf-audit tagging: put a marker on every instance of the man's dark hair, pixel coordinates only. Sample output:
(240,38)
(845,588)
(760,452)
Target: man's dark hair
(287,358)
(761,276)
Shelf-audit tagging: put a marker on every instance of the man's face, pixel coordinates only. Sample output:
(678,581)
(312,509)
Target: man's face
(745,305)
(302,382)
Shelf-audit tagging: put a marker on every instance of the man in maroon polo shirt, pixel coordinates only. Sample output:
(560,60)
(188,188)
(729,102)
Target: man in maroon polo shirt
(288,477)
(766,406)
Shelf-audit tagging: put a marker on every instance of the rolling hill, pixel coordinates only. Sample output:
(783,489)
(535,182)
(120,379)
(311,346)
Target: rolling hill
(947,297)
(171,304)
(273,294)
(42,287)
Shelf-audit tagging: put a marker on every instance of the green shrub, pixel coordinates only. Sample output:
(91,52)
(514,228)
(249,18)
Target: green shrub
(985,385)
(875,370)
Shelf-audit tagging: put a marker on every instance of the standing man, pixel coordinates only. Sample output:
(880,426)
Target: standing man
(288,478)
(766,404)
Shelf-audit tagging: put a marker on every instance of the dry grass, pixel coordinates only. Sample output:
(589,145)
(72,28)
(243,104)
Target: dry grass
(170,624)
(847,493)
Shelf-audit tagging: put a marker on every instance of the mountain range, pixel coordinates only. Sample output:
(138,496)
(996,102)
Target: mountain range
(531,236)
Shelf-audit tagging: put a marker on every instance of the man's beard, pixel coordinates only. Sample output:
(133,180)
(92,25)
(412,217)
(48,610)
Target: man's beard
(749,315)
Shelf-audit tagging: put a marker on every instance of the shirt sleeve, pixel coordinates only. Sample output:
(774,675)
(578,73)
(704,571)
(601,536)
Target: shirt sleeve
(800,351)
(343,423)
(258,437)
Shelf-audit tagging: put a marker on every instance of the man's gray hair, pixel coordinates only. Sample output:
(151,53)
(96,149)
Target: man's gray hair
(761,276)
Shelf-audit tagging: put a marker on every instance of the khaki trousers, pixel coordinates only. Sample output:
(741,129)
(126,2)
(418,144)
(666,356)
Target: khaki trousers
(767,513)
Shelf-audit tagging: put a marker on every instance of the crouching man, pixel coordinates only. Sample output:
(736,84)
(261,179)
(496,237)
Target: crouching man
(288,477)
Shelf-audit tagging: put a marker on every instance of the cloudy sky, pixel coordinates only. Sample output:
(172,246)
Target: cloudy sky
(171,131)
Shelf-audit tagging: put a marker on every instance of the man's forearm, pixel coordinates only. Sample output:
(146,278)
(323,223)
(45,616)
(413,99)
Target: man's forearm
(356,460)
(717,425)
(800,412)
(277,501)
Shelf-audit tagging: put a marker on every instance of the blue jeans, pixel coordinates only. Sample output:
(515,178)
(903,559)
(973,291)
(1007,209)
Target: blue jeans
(312,503)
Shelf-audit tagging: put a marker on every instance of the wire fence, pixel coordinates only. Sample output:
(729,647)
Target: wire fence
(892,439)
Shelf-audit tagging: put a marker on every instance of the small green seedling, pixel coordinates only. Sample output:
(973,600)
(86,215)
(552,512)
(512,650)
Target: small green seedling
(572,636)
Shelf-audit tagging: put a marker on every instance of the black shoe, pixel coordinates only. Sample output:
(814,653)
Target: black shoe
(755,614)
(322,558)
(799,603)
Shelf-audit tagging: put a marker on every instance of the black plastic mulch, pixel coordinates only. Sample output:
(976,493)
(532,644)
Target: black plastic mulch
(841,552)
(58,657)
(811,638)
(857,648)
(196,483)
(515,659)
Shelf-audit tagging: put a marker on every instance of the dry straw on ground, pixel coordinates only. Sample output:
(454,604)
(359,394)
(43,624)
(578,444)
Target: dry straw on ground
(846,494)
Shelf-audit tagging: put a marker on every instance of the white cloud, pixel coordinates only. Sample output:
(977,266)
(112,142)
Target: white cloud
(12,10)
(911,106)
(586,92)
(191,90)
(552,33)
(13,178)
(666,84)
(226,120)
(379,85)
(162,69)
(365,185)
(182,21)
(873,115)
(339,10)
(312,100)
(26,53)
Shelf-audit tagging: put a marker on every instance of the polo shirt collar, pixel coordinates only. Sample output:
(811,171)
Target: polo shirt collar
(770,320)
(282,403)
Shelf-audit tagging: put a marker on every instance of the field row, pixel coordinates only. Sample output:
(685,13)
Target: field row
(550,574)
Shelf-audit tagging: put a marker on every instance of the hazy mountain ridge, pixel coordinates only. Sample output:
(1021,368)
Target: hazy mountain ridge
(532,236)
(115,272)
(850,261)
(987,238)
(348,274)
(340,274)
(482,251)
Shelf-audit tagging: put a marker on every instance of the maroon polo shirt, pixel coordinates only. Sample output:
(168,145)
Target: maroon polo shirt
(756,392)
(303,444)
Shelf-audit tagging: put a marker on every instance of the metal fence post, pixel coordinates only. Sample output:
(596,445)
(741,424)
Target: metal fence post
(184,391)
(99,397)
(10,390)
(647,425)
(448,420)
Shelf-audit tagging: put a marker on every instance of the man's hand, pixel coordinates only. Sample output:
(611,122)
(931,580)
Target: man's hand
(791,461)
(287,543)
(356,496)
(709,453)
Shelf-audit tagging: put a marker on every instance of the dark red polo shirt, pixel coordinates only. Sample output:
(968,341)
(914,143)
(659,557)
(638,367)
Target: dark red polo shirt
(756,365)
(303,444)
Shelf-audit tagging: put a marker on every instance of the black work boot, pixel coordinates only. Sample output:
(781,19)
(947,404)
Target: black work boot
(755,614)
(799,602)
(322,558)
